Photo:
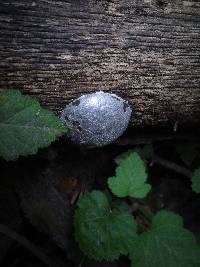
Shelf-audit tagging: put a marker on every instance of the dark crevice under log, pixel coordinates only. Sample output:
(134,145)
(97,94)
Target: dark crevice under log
(147,51)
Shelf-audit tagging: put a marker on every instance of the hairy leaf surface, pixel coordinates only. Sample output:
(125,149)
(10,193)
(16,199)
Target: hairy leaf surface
(25,126)
(102,233)
(130,178)
(166,244)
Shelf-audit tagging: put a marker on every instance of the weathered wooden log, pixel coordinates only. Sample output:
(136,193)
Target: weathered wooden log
(147,51)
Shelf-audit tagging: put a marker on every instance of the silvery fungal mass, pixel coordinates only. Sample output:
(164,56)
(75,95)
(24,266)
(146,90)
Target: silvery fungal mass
(97,119)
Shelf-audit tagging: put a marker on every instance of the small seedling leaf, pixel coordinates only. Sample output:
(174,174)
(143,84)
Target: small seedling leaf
(145,152)
(130,178)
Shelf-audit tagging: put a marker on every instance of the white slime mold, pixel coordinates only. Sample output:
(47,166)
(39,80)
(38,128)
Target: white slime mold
(97,119)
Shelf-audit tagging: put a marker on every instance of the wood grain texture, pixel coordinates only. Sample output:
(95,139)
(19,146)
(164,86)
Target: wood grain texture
(147,51)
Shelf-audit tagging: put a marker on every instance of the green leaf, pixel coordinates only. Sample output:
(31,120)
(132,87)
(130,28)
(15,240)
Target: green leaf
(102,233)
(166,244)
(25,126)
(196,181)
(130,179)
(146,152)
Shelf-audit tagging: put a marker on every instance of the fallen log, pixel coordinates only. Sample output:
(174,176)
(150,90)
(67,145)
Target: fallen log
(147,51)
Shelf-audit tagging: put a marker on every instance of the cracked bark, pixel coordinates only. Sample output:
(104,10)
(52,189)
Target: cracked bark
(147,51)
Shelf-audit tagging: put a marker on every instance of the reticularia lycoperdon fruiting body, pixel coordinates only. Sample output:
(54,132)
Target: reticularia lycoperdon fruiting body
(97,119)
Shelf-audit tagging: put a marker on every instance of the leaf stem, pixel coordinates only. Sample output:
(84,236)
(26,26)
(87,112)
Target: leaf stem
(172,166)
(25,243)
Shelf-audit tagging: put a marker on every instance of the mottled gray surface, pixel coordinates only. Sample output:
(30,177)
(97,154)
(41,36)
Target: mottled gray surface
(97,119)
